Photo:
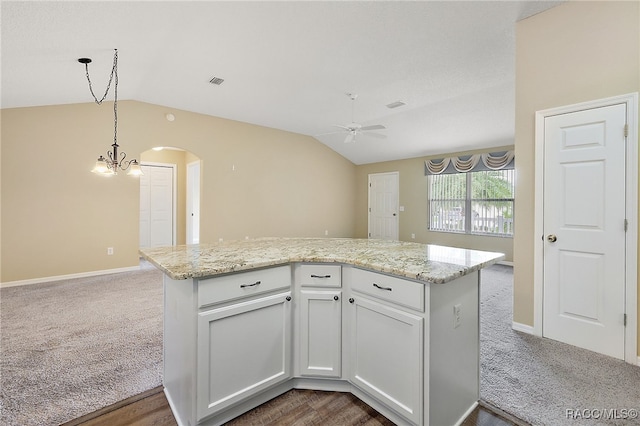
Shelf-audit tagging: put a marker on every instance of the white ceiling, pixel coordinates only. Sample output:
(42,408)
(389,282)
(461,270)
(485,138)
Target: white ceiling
(286,65)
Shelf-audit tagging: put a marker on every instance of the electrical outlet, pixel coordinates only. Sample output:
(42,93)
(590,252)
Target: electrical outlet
(457,315)
(109,251)
(413,236)
(326,232)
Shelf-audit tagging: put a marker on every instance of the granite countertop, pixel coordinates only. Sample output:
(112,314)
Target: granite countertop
(422,262)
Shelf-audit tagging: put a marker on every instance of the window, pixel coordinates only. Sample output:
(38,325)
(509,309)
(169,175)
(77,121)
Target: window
(476,202)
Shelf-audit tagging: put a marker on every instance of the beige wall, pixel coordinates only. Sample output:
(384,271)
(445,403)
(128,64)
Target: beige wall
(59,219)
(576,52)
(413,196)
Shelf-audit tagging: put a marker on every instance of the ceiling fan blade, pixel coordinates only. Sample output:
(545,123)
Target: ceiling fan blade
(330,133)
(373,127)
(342,127)
(375,135)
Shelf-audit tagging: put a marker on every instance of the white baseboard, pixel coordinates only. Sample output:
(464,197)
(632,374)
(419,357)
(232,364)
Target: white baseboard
(68,277)
(522,327)
(465,415)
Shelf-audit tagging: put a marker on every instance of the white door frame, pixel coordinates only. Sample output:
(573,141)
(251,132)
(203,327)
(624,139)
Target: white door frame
(631,261)
(190,200)
(174,167)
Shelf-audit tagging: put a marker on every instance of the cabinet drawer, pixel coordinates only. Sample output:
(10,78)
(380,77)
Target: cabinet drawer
(312,275)
(242,284)
(396,290)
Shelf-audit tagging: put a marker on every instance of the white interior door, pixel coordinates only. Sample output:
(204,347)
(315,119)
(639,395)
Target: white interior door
(584,229)
(193,202)
(156,206)
(383,205)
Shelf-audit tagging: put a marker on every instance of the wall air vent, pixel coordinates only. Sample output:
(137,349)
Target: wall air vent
(216,80)
(395,104)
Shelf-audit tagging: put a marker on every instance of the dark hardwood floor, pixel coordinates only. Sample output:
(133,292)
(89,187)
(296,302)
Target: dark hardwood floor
(296,407)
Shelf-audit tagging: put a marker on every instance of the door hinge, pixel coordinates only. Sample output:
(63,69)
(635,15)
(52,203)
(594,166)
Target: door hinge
(624,319)
(626,130)
(369,209)
(626,225)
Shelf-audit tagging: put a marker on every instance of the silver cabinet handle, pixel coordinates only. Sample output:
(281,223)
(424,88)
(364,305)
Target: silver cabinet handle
(382,288)
(336,298)
(250,285)
(320,276)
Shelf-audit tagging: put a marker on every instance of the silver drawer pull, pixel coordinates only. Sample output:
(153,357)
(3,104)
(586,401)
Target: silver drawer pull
(320,276)
(250,285)
(382,288)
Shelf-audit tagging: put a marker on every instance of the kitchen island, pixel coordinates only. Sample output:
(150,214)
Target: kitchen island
(394,323)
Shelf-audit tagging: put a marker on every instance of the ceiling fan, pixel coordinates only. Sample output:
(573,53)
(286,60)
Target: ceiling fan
(354,128)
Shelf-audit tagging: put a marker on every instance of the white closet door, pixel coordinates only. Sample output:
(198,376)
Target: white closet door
(156,206)
(584,224)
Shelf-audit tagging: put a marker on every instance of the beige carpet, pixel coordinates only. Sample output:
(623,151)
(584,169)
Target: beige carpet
(71,347)
(544,382)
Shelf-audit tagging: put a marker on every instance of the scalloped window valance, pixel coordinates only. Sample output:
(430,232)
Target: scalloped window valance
(470,163)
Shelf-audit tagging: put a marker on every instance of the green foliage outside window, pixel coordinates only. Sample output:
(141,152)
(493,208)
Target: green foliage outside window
(475,202)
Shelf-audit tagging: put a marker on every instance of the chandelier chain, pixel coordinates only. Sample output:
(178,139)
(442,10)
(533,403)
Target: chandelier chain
(112,78)
(115,98)
(114,71)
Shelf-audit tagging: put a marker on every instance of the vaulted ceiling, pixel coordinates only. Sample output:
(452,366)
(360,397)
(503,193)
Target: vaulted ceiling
(286,65)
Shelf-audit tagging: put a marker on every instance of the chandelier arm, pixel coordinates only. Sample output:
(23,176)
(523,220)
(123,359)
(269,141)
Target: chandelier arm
(112,162)
(124,165)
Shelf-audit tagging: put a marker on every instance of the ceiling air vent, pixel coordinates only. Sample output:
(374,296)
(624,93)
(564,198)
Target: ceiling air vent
(216,80)
(395,104)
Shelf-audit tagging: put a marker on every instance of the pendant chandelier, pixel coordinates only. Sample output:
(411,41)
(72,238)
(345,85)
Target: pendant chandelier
(115,160)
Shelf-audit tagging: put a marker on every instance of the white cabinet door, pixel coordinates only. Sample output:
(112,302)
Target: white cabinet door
(320,337)
(242,349)
(386,355)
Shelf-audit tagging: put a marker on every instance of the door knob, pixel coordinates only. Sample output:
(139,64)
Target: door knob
(552,238)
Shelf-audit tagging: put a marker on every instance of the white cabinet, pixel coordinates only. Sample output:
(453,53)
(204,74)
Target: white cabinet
(227,340)
(320,329)
(319,320)
(235,341)
(409,350)
(386,355)
(243,349)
